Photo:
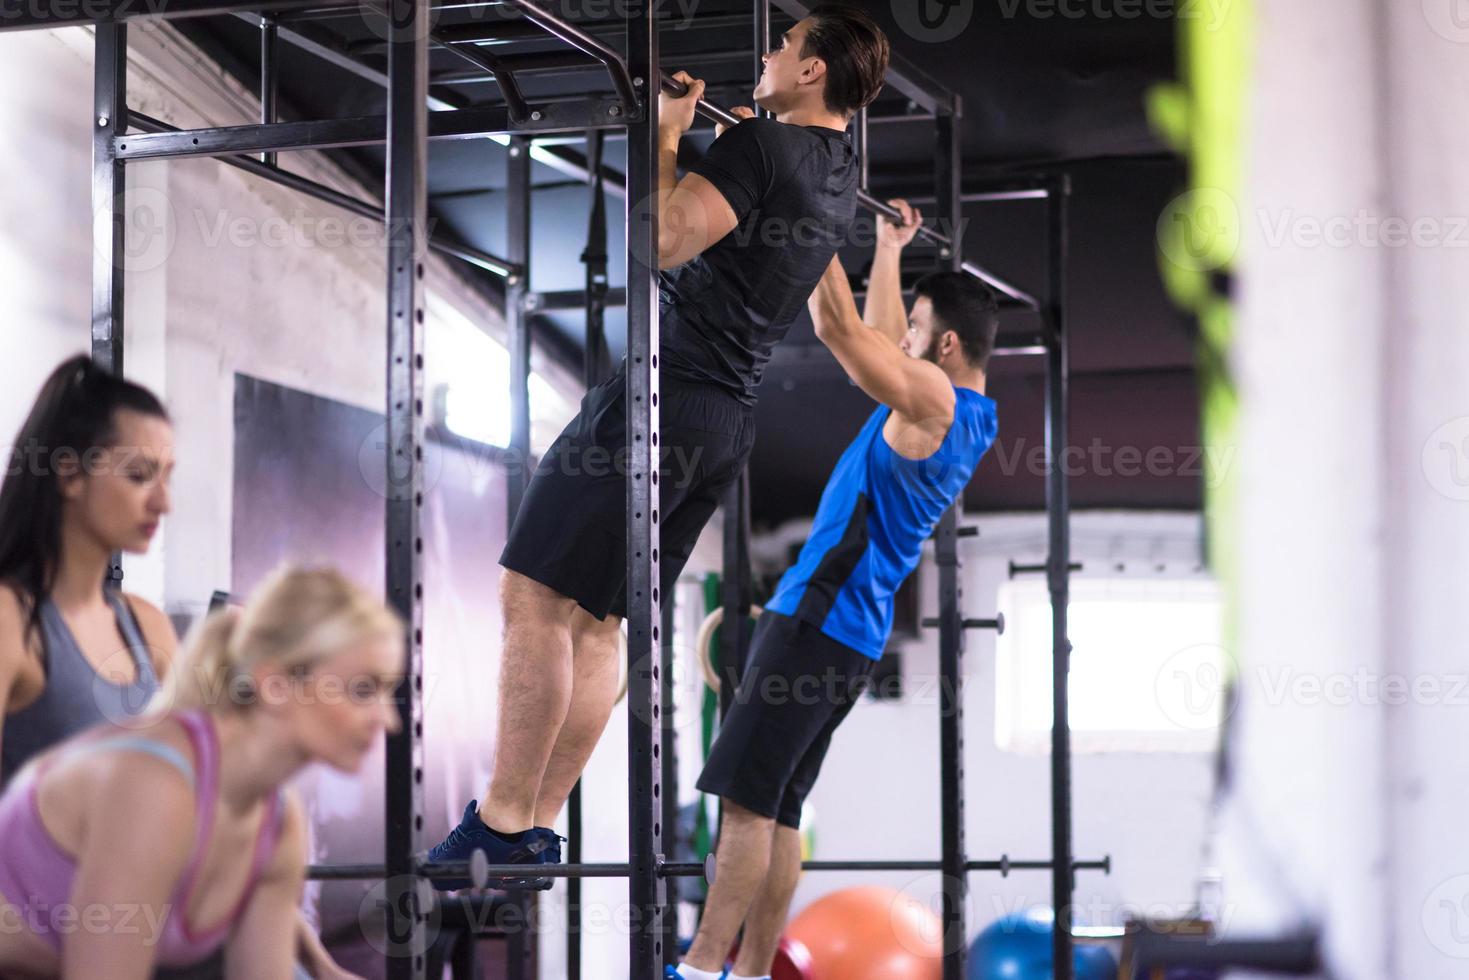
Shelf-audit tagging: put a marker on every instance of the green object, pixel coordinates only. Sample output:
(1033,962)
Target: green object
(1202,116)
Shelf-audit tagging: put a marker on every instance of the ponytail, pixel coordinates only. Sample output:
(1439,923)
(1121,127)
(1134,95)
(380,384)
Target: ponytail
(297,618)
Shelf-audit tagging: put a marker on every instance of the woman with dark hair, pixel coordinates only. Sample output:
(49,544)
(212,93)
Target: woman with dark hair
(88,476)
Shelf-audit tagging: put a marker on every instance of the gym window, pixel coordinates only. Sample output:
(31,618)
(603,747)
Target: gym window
(1147,665)
(472,383)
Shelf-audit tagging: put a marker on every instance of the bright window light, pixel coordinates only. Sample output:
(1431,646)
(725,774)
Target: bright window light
(473,371)
(1147,665)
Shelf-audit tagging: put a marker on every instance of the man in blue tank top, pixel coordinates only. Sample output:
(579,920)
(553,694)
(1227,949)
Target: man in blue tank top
(815,646)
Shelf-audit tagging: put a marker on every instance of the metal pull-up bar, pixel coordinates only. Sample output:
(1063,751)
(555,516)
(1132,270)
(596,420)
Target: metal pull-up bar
(719,114)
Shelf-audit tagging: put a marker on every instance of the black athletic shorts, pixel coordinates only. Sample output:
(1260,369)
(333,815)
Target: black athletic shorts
(797,687)
(570,533)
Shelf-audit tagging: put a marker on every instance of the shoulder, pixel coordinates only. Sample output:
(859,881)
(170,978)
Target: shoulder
(157,630)
(141,781)
(13,616)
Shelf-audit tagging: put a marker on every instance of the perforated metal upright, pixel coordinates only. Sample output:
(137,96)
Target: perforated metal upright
(408,896)
(955,856)
(646,888)
(109,208)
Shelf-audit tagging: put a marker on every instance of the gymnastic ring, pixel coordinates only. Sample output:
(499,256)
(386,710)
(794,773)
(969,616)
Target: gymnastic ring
(705,635)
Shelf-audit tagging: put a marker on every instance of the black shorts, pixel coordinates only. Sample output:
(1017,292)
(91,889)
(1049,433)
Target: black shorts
(797,687)
(570,533)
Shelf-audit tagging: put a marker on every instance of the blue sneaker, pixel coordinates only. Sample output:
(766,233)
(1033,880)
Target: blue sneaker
(671,973)
(537,846)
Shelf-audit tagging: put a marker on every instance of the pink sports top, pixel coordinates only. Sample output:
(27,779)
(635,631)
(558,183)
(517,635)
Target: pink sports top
(36,874)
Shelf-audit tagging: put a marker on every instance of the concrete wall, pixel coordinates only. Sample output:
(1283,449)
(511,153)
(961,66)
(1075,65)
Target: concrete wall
(1351,355)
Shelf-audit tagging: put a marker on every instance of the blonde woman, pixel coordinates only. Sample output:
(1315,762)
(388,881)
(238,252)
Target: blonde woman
(127,849)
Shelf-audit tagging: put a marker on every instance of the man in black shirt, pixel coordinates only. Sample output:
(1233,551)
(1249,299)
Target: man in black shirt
(743,239)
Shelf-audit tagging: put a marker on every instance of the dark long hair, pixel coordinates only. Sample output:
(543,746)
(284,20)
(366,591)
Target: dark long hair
(75,412)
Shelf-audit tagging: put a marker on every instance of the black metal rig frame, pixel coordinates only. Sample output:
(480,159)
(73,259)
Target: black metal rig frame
(121,135)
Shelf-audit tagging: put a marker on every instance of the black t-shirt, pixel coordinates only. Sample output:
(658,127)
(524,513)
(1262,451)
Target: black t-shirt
(794,191)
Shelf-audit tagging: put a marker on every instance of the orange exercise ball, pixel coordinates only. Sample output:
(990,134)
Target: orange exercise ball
(871,933)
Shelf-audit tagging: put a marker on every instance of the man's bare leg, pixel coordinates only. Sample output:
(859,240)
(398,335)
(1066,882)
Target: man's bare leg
(766,919)
(596,648)
(740,867)
(535,696)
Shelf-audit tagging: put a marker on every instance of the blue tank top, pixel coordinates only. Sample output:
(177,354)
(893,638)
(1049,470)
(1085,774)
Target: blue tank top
(76,697)
(875,513)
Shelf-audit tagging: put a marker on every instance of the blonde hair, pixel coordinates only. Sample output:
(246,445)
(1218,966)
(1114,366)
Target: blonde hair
(296,618)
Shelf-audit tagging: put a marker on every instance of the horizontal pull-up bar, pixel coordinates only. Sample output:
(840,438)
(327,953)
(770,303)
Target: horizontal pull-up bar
(576,37)
(481,872)
(722,115)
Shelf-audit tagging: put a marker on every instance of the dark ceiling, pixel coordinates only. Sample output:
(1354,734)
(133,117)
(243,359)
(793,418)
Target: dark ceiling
(1043,90)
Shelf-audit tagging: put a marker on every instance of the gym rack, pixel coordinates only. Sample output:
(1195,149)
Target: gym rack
(121,135)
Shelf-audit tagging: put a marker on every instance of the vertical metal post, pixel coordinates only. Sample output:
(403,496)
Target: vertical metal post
(517,316)
(734,632)
(408,896)
(573,885)
(864,170)
(109,208)
(1058,509)
(762,43)
(109,195)
(269,77)
(646,889)
(595,259)
(518,950)
(949,209)
(670,772)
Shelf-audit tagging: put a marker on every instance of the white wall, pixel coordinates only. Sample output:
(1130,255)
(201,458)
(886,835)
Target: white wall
(1351,360)
(878,795)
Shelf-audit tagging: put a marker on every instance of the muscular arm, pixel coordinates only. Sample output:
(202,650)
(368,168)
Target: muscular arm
(884,310)
(913,388)
(692,214)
